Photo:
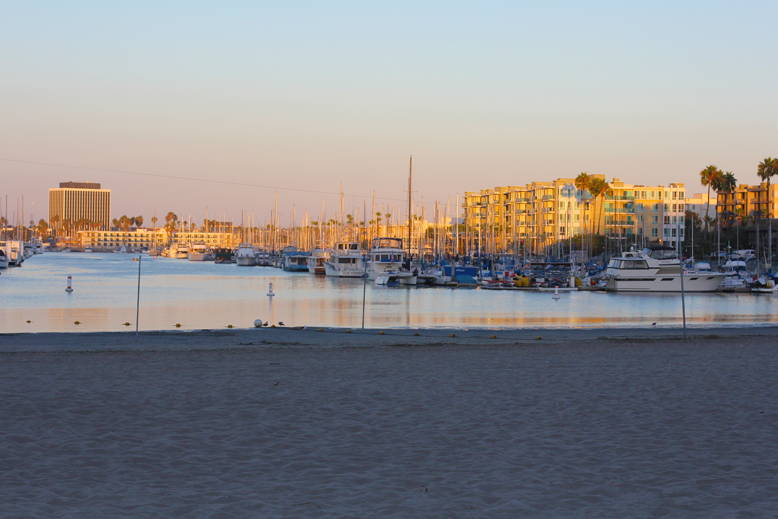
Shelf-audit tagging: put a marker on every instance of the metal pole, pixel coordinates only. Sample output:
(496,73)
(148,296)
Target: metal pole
(137,305)
(683,294)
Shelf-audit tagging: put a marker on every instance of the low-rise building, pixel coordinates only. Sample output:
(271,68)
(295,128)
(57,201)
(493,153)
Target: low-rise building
(698,204)
(534,218)
(747,202)
(148,238)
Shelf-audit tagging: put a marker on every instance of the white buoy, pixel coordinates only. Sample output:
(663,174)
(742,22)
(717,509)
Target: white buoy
(258,323)
(270,293)
(556,293)
(70,284)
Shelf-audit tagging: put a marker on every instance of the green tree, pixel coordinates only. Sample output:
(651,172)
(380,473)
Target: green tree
(709,177)
(766,170)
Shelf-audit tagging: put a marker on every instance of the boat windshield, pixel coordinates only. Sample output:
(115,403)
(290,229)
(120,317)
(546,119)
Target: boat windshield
(387,243)
(663,254)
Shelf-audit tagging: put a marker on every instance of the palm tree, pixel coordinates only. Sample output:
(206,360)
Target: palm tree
(766,169)
(727,184)
(582,182)
(605,191)
(154,221)
(54,220)
(43,228)
(595,186)
(708,177)
(66,223)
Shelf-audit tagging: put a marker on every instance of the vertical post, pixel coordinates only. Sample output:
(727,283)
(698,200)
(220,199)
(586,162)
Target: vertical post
(683,294)
(137,304)
(364,288)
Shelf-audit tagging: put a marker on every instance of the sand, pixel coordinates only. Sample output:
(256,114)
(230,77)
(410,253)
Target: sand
(301,423)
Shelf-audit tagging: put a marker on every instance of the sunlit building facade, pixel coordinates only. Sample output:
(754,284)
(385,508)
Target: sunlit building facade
(537,217)
(74,201)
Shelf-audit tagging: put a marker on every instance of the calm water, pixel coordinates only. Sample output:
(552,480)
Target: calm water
(205,295)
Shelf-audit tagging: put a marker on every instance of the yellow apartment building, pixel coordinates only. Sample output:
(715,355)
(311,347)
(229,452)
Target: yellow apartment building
(746,201)
(534,218)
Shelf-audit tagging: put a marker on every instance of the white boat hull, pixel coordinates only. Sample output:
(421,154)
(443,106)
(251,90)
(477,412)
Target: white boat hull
(404,278)
(349,272)
(666,283)
(246,261)
(199,256)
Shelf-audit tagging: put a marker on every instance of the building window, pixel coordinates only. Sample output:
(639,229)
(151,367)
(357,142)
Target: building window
(654,233)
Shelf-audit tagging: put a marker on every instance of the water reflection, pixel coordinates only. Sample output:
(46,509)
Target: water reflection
(205,295)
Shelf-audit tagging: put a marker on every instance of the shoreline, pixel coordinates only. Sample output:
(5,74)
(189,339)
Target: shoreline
(328,338)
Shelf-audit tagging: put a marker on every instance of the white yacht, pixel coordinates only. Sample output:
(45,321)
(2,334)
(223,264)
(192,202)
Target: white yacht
(3,258)
(246,256)
(200,252)
(182,251)
(346,261)
(264,259)
(387,257)
(14,252)
(316,261)
(656,269)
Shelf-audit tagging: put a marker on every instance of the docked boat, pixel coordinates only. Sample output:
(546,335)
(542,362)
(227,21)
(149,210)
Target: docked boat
(14,252)
(656,269)
(182,251)
(264,259)
(388,257)
(3,259)
(316,261)
(200,252)
(346,261)
(400,277)
(294,260)
(246,255)
(223,256)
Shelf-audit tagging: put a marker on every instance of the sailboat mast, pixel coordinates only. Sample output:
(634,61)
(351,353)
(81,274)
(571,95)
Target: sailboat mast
(410,221)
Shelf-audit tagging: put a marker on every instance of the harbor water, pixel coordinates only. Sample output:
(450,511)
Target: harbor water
(204,295)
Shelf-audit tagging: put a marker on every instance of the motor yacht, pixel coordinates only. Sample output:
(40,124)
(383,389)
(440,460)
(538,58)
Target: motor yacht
(387,257)
(264,259)
(246,255)
(14,251)
(316,261)
(200,252)
(3,258)
(346,261)
(656,269)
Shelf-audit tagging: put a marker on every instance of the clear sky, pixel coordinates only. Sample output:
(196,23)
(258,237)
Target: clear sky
(307,95)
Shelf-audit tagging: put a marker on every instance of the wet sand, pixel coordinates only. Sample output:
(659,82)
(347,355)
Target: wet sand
(302,423)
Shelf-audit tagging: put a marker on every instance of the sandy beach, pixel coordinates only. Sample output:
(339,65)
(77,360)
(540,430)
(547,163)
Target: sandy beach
(302,423)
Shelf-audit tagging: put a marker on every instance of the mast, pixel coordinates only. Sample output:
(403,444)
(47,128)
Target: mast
(410,221)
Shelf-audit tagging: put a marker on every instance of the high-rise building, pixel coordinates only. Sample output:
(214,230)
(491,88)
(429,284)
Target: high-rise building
(81,202)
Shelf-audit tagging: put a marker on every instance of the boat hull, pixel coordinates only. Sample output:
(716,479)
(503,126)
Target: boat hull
(335,272)
(666,283)
(246,261)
